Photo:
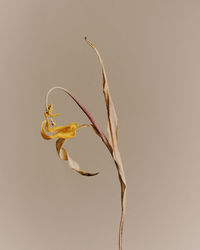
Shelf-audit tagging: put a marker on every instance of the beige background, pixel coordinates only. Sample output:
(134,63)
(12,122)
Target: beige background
(151,51)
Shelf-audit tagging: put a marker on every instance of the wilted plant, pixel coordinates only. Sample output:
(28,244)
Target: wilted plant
(63,133)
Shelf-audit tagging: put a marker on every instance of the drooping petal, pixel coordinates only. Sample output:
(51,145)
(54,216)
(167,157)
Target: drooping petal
(65,132)
(44,135)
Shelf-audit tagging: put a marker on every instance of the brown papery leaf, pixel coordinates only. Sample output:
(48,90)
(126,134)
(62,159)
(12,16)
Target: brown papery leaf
(113,134)
(62,153)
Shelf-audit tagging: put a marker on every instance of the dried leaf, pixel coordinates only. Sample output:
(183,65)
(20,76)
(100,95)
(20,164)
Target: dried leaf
(62,153)
(113,134)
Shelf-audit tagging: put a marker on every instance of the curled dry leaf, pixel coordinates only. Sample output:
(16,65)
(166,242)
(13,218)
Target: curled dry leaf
(113,134)
(62,153)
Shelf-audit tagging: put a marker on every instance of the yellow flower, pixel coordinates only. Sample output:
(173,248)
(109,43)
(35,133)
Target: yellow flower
(64,132)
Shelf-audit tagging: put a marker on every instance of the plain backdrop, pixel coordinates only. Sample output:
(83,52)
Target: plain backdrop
(151,52)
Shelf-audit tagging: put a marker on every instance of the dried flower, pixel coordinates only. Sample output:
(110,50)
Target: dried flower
(62,133)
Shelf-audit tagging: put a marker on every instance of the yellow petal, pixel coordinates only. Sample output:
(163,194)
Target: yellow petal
(65,132)
(44,135)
